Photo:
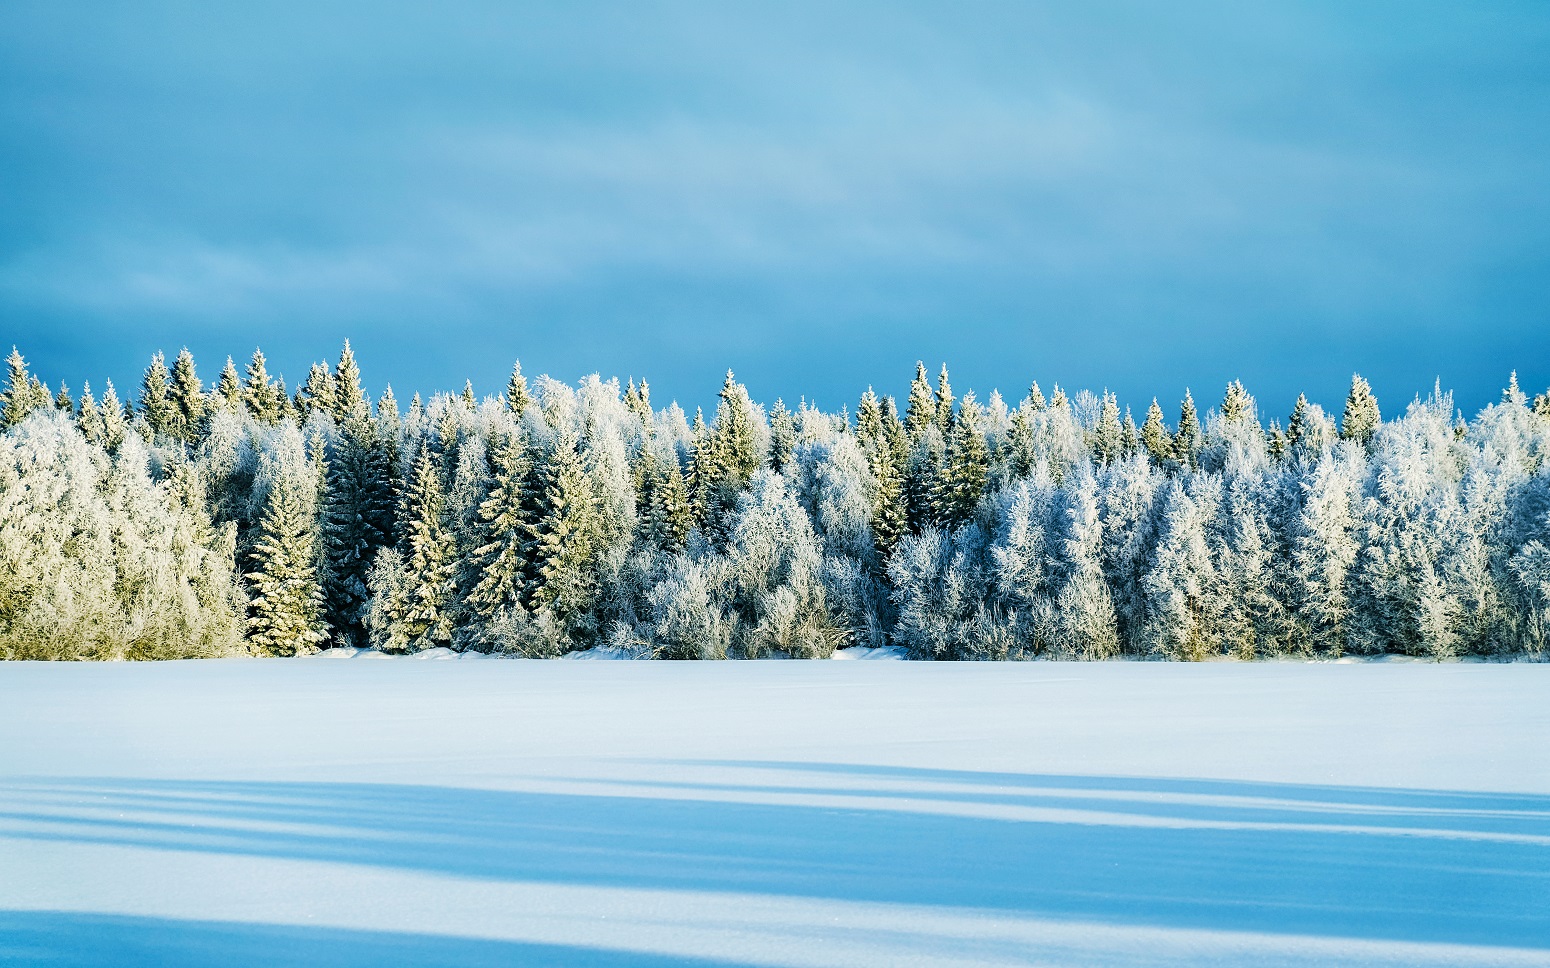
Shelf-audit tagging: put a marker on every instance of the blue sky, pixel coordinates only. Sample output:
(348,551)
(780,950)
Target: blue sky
(1135,196)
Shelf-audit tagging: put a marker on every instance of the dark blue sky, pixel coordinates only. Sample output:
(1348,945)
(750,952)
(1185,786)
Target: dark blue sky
(1139,196)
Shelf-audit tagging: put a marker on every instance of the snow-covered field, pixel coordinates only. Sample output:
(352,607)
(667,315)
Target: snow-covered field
(253,812)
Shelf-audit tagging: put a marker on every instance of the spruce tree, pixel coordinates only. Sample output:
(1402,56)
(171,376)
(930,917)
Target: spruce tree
(944,403)
(505,528)
(227,392)
(350,401)
(1036,397)
(1361,418)
(638,400)
(666,514)
(1236,402)
(286,608)
(316,395)
(423,613)
(517,396)
(156,405)
(260,394)
(187,394)
(62,401)
(1129,435)
(783,435)
(1187,441)
(1106,444)
(467,397)
(563,537)
(357,521)
(1297,423)
(921,409)
(963,477)
(1155,436)
(21,396)
(114,424)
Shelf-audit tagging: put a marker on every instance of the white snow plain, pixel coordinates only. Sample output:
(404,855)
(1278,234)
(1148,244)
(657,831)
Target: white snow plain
(271,812)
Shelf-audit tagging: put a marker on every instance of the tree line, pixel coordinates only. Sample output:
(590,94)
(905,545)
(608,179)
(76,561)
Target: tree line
(244,518)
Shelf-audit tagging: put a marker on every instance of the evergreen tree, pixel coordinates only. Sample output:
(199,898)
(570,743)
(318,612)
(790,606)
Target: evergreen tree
(187,394)
(1036,397)
(1187,440)
(1155,436)
(468,395)
(517,396)
(1083,603)
(505,519)
(962,482)
(783,436)
(944,404)
(1297,423)
(666,513)
(21,396)
(638,401)
(62,401)
(156,405)
(262,397)
(1361,418)
(349,400)
(317,394)
(357,522)
(882,442)
(563,537)
(114,424)
(1129,435)
(1107,443)
(285,615)
(921,410)
(1237,405)
(227,393)
(89,417)
(421,610)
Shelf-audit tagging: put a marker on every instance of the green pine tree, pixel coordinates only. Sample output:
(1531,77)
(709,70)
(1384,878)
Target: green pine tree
(505,529)
(424,611)
(944,403)
(21,396)
(357,522)
(962,482)
(665,511)
(227,393)
(1361,418)
(1155,436)
(921,409)
(264,400)
(286,611)
(563,538)
(316,394)
(1236,403)
(156,404)
(1106,443)
(1297,424)
(350,401)
(187,394)
(517,396)
(1036,397)
(783,435)
(1187,441)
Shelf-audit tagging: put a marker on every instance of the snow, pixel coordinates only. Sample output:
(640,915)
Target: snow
(242,812)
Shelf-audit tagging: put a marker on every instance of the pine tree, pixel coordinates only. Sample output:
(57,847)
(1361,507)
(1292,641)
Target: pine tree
(1297,423)
(114,424)
(357,522)
(227,393)
(286,610)
(1106,444)
(156,405)
(666,514)
(1036,397)
(468,395)
(21,396)
(1084,604)
(260,394)
(1155,436)
(783,435)
(1236,403)
(505,527)
(317,394)
(1129,434)
(422,613)
(1361,418)
(62,401)
(187,395)
(944,403)
(563,536)
(1187,440)
(962,482)
(89,418)
(638,400)
(882,441)
(350,401)
(517,396)
(922,408)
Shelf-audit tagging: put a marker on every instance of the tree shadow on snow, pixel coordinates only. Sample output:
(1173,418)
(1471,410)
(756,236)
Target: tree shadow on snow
(1404,865)
(58,940)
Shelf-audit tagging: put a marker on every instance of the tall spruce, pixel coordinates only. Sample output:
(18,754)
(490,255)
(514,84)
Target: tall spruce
(265,401)
(1155,436)
(187,394)
(285,614)
(21,396)
(563,538)
(921,409)
(1361,417)
(425,607)
(1187,439)
(518,399)
(964,473)
(505,526)
(227,392)
(357,522)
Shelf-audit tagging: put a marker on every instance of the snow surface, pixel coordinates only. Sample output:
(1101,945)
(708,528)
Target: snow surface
(271,812)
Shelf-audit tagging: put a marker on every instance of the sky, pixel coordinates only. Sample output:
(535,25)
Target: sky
(1135,196)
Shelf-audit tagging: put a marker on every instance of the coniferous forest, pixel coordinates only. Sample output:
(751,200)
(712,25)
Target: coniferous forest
(243,519)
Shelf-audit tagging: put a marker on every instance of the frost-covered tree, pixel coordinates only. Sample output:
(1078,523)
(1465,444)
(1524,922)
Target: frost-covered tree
(285,613)
(156,406)
(264,399)
(416,586)
(961,482)
(22,392)
(187,396)
(1361,418)
(357,522)
(1187,439)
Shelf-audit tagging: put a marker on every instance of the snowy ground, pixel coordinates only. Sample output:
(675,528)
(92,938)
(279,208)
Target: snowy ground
(250,812)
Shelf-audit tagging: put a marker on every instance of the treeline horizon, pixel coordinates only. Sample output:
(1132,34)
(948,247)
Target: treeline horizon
(244,518)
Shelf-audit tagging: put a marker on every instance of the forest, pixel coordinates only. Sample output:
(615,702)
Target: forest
(243,519)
